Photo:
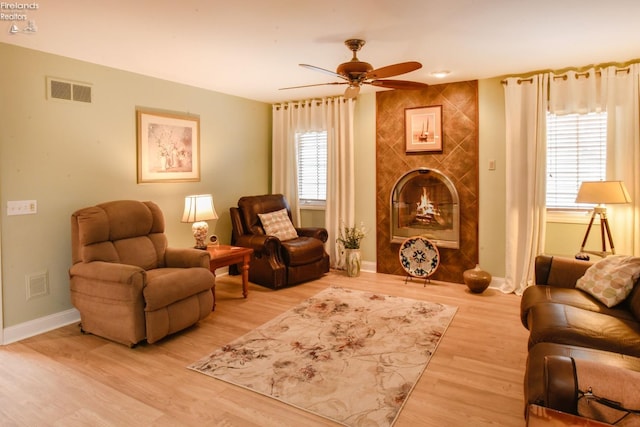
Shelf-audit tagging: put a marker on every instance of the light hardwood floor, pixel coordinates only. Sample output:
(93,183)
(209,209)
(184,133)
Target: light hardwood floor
(65,378)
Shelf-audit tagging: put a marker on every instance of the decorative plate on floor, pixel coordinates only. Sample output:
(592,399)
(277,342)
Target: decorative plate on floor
(419,257)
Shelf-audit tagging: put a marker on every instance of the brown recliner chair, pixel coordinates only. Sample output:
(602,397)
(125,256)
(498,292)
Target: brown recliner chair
(126,283)
(276,263)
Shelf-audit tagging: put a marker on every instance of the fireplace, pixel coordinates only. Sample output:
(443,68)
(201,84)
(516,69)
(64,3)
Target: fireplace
(458,161)
(424,202)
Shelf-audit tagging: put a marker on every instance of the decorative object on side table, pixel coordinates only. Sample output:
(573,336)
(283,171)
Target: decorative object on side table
(350,239)
(476,279)
(419,257)
(198,209)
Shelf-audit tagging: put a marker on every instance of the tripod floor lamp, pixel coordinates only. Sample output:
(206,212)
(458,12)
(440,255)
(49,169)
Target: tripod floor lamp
(601,193)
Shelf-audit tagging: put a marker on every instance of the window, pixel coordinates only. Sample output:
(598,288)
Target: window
(576,152)
(312,167)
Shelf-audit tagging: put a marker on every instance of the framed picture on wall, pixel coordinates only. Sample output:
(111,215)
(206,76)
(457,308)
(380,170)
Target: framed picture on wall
(168,146)
(423,129)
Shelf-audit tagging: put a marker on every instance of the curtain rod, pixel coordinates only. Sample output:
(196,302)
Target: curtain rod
(303,103)
(562,75)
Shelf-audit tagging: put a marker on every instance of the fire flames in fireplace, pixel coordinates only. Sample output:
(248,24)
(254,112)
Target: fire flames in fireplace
(427,211)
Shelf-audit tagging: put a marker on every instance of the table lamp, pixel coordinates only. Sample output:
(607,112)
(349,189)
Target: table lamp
(198,209)
(600,193)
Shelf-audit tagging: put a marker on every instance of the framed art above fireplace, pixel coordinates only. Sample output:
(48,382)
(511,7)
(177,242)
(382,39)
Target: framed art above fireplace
(423,129)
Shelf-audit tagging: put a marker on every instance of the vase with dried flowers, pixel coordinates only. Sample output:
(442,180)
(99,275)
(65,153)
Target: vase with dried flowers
(350,238)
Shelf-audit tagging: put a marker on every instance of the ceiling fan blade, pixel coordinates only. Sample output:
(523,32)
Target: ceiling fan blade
(352,92)
(322,70)
(394,70)
(318,84)
(398,84)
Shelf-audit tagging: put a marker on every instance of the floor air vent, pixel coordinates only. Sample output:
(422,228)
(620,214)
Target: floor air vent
(67,90)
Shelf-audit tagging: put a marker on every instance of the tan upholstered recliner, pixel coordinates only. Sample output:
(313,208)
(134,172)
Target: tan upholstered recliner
(126,283)
(276,263)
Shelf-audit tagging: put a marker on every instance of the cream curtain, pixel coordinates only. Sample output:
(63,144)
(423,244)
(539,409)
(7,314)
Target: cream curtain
(334,115)
(622,95)
(284,178)
(340,174)
(525,106)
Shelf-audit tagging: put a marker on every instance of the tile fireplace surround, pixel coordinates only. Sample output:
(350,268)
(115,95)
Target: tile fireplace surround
(458,161)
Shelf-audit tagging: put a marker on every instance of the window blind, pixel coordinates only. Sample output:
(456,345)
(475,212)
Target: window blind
(576,152)
(312,166)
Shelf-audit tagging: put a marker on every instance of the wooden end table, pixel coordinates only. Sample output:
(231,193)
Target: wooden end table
(225,255)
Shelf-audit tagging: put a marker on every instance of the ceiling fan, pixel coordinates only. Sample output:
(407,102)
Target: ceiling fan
(356,73)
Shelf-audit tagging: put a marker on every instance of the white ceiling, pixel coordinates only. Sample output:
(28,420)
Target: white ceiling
(251,48)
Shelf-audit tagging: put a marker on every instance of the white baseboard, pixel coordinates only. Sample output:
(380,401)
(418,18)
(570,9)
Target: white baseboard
(369,266)
(39,326)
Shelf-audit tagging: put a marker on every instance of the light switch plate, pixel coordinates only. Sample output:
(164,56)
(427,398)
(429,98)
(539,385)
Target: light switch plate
(22,207)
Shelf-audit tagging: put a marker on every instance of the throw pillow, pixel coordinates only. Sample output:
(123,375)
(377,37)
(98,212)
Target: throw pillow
(611,279)
(278,224)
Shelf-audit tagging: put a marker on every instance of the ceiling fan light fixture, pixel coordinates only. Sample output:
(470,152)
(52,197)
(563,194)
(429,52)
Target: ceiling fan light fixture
(440,74)
(352,91)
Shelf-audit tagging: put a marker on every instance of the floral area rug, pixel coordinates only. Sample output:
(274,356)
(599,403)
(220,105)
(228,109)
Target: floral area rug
(350,356)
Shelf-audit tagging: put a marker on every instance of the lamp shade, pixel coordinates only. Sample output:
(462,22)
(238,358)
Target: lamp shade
(603,192)
(198,208)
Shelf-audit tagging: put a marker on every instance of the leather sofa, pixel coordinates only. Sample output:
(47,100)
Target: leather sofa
(127,284)
(568,328)
(277,263)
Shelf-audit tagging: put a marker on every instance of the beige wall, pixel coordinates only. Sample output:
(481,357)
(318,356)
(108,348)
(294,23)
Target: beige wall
(70,155)
(492,211)
(564,239)
(365,154)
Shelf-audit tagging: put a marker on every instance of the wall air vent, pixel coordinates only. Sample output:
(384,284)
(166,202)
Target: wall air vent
(67,90)
(37,284)
(59,90)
